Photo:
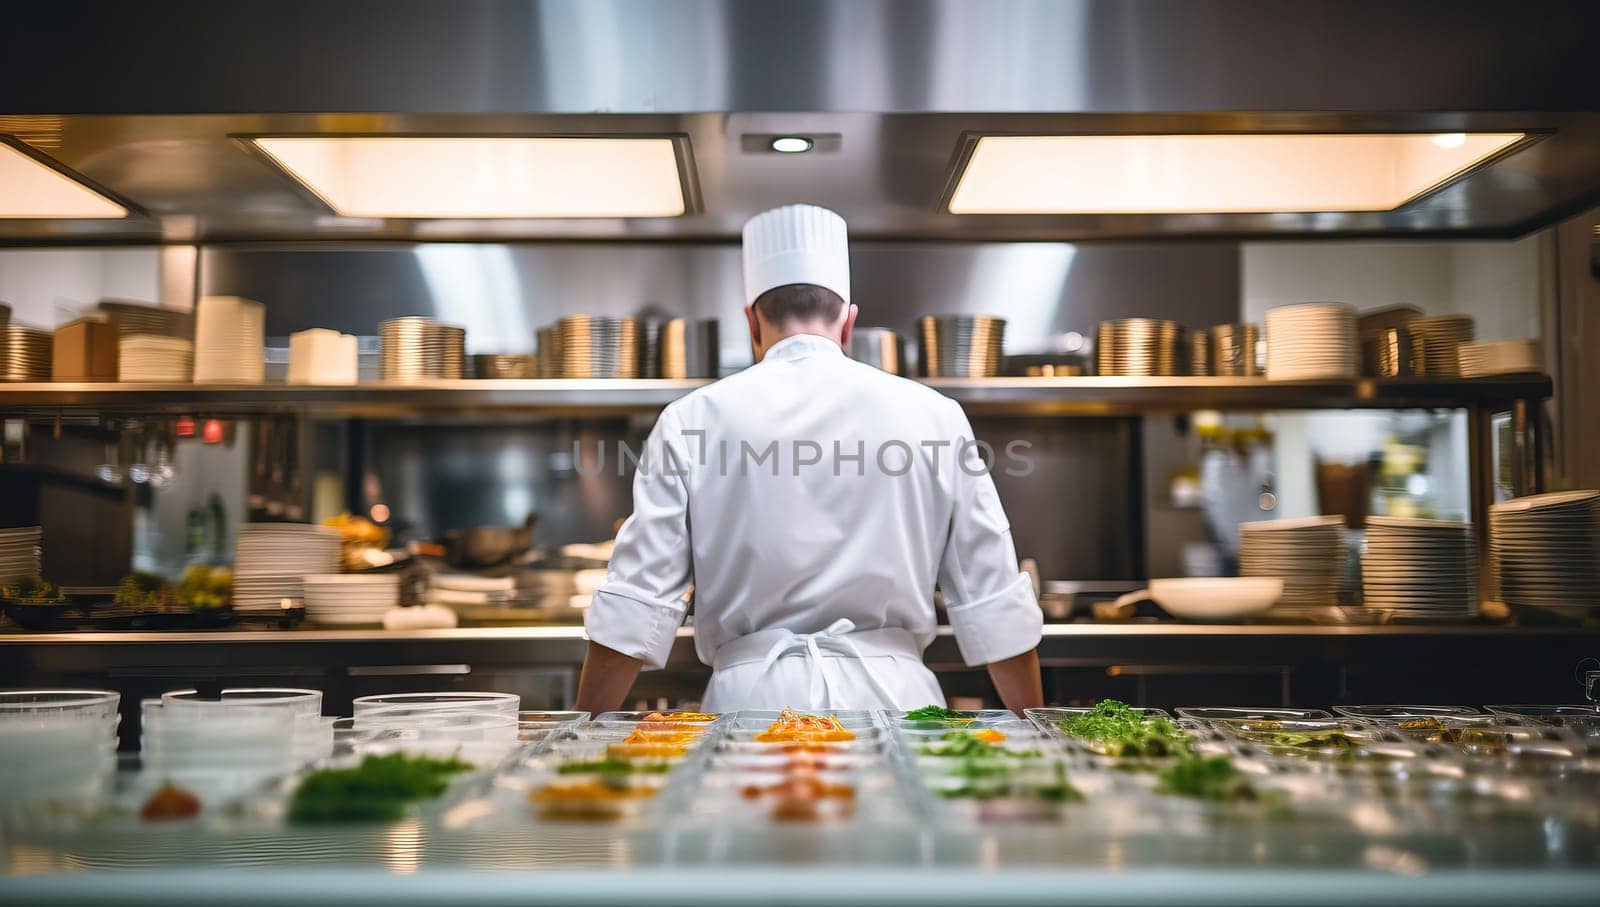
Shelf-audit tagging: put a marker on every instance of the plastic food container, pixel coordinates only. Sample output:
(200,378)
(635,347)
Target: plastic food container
(1389,714)
(1258,714)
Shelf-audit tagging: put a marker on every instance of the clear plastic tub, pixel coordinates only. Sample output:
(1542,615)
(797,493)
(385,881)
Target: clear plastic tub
(308,702)
(30,705)
(1270,713)
(1157,752)
(1391,714)
(1585,716)
(402,703)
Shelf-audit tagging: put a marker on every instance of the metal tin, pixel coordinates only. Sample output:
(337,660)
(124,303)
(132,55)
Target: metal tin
(1197,350)
(879,347)
(687,349)
(1389,353)
(1137,346)
(505,365)
(961,346)
(1236,349)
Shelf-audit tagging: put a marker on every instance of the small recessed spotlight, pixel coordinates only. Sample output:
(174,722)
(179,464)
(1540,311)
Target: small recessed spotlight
(791,144)
(1450,139)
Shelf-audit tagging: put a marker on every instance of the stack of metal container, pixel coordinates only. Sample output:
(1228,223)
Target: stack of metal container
(25,353)
(133,318)
(1235,349)
(1441,337)
(422,349)
(1197,352)
(1137,346)
(505,365)
(961,346)
(879,347)
(549,353)
(685,349)
(599,346)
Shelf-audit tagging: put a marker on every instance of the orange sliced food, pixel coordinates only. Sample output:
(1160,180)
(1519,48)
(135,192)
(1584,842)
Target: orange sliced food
(671,736)
(685,717)
(629,750)
(797,727)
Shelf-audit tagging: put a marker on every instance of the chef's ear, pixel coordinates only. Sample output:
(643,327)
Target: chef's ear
(849,325)
(755,329)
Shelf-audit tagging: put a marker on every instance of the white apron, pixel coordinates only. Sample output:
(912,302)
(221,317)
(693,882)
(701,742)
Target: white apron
(837,668)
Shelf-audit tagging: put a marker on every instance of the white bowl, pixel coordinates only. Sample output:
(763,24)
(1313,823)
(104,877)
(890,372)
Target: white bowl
(1216,597)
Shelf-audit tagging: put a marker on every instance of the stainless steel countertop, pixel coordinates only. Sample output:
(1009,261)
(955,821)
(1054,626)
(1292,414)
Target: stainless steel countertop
(925,887)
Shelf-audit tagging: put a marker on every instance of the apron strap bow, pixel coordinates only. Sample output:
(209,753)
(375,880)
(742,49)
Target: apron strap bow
(836,639)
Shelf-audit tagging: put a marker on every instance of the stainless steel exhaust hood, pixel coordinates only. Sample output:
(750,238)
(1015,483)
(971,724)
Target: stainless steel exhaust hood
(150,102)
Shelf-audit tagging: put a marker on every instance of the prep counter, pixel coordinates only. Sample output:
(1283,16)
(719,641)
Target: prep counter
(1161,664)
(1458,830)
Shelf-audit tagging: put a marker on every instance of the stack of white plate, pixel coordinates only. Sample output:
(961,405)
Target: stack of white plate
(1309,554)
(19,553)
(1441,337)
(229,341)
(1311,341)
(1547,550)
(272,560)
(1420,568)
(1500,357)
(56,745)
(451,589)
(154,359)
(343,599)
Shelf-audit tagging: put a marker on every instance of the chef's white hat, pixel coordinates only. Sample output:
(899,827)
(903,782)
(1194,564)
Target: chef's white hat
(796,244)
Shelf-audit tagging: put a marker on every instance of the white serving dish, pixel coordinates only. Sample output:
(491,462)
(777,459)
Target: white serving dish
(1211,597)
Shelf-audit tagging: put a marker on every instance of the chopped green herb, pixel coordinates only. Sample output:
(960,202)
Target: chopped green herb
(376,790)
(33,590)
(932,713)
(1206,779)
(614,767)
(1114,729)
(964,744)
(1314,740)
(992,787)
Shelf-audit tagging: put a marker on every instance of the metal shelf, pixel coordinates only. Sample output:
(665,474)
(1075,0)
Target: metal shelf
(1069,396)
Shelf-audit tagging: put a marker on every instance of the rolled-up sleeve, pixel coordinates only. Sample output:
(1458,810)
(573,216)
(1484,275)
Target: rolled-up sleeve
(990,601)
(639,607)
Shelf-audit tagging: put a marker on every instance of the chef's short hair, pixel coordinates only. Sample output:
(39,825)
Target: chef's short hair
(799,303)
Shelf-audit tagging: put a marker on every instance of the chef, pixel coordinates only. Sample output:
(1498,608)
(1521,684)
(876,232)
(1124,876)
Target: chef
(812,502)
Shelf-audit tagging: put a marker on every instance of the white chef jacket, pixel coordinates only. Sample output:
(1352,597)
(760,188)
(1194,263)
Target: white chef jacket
(812,501)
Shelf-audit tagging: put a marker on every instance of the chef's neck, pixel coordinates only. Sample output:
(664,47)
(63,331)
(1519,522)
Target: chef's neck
(764,334)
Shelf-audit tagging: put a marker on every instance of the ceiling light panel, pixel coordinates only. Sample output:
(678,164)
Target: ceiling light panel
(1213,174)
(32,189)
(485,177)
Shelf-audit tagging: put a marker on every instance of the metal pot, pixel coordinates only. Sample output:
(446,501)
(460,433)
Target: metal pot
(488,546)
